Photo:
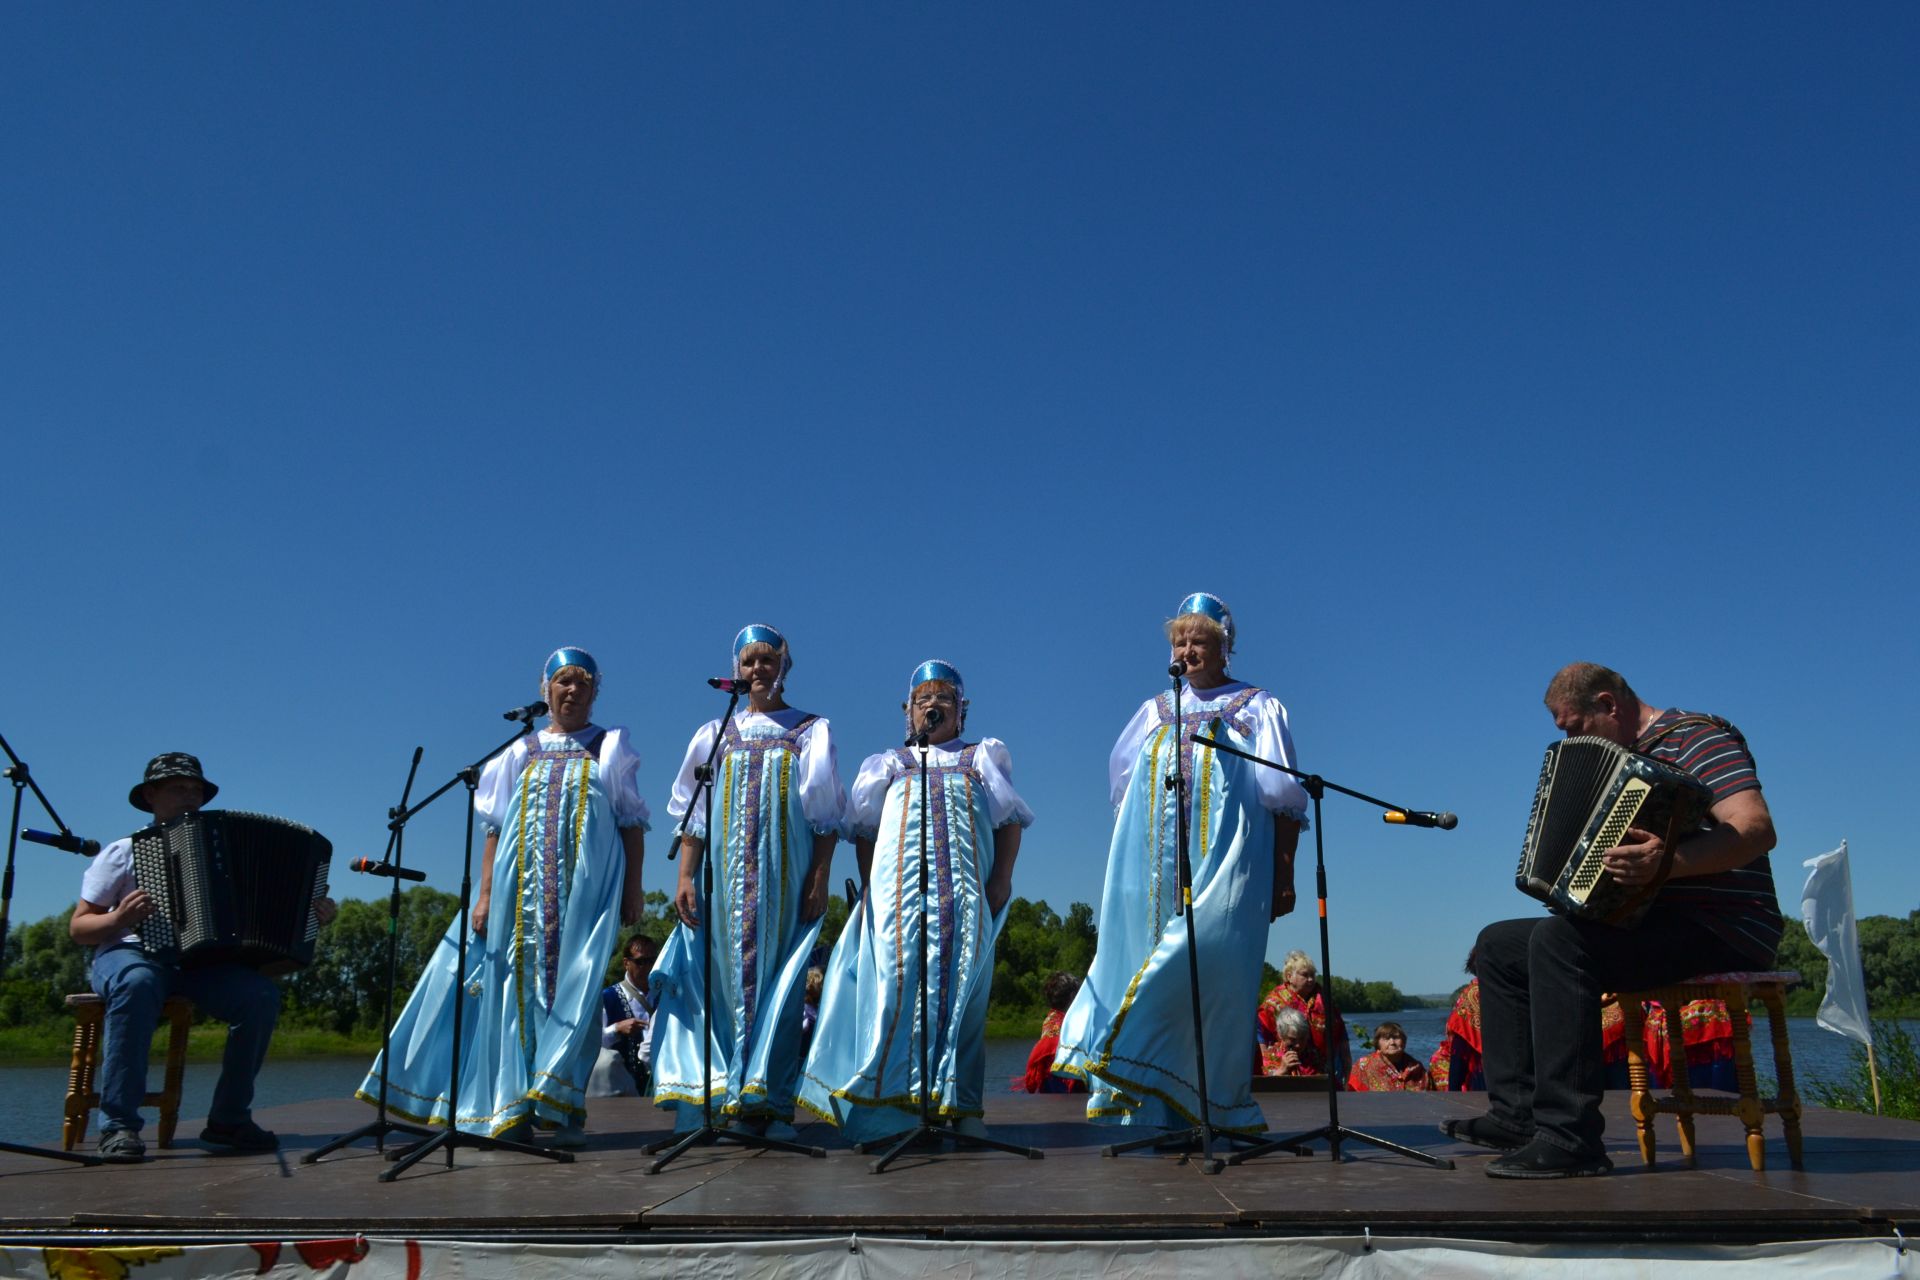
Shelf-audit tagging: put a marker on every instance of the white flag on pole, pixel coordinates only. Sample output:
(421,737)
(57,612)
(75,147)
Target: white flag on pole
(1826,908)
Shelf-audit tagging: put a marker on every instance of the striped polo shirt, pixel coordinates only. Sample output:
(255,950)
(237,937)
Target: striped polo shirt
(1739,905)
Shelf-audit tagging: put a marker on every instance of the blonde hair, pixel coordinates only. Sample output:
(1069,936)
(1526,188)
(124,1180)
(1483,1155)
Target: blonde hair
(1296,960)
(1190,621)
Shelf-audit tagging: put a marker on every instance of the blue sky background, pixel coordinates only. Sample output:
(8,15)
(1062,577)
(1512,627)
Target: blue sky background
(353,356)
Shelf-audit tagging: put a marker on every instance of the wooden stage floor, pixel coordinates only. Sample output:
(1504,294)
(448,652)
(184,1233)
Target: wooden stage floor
(1862,1179)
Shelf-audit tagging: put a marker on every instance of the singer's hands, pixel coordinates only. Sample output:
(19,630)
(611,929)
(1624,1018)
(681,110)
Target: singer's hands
(633,902)
(1286,842)
(999,889)
(325,909)
(482,904)
(686,897)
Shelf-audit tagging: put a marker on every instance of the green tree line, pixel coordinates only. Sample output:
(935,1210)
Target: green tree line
(342,991)
(1889,958)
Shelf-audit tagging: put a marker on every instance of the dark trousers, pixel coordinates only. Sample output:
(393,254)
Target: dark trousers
(1540,985)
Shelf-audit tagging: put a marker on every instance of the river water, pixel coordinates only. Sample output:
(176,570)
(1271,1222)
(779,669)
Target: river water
(31,1097)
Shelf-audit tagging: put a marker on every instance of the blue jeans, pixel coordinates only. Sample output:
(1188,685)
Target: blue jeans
(1540,985)
(134,987)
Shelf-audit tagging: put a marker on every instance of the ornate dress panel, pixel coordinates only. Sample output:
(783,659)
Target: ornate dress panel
(771,795)
(864,1072)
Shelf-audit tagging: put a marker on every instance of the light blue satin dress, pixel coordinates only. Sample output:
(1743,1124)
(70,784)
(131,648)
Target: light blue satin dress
(1129,1033)
(776,786)
(530,1021)
(864,1071)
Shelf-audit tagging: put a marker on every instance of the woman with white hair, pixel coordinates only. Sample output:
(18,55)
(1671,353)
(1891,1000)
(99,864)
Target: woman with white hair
(1129,1033)
(864,1072)
(778,806)
(559,874)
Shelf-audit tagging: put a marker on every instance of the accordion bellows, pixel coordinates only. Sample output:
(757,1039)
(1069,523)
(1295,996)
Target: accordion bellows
(231,888)
(1591,790)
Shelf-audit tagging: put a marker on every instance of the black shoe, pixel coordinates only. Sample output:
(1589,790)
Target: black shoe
(1541,1159)
(246,1137)
(1481,1131)
(122,1146)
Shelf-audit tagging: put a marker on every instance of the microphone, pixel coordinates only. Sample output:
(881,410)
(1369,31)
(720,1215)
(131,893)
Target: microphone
(1414,818)
(1176,668)
(929,721)
(66,841)
(528,712)
(730,686)
(372,867)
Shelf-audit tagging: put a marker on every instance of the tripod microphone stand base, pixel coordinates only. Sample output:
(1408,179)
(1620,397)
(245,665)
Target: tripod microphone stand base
(932,1133)
(404,1158)
(1334,1135)
(708,1135)
(1200,1139)
(378,1131)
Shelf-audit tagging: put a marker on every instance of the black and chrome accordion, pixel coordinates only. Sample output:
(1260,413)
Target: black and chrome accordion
(1591,791)
(231,888)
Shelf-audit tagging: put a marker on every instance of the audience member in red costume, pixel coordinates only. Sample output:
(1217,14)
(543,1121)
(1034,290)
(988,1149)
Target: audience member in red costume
(1299,989)
(1059,990)
(1456,1063)
(1292,1050)
(1389,1066)
(1707,1029)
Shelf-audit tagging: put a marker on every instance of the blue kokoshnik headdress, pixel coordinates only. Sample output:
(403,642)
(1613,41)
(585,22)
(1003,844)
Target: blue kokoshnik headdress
(571,656)
(936,669)
(1208,605)
(761,633)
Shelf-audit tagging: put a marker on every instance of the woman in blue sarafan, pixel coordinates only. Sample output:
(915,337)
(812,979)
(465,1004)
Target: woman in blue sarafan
(778,805)
(864,1072)
(1129,1033)
(560,873)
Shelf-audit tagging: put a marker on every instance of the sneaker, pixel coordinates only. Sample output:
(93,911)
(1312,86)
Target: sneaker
(971,1127)
(1541,1159)
(246,1137)
(568,1138)
(122,1146)
(781,1131)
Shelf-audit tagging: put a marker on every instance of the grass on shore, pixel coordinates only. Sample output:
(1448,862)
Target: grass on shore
(51,1044)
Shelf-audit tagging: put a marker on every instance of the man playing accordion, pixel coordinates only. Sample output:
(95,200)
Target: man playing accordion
(1541,978)
(134,985)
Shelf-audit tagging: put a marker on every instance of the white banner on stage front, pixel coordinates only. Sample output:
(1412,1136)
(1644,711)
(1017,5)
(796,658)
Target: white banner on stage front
(870,1258)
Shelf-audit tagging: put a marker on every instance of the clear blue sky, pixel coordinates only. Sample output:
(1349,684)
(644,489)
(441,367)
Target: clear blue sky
(354,356)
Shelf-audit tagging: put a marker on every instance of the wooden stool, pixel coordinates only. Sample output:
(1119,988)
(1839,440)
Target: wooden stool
(89,1012)
(1737,990)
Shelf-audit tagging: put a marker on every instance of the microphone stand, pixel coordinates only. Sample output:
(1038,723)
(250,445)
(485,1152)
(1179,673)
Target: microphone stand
(931,1129)
(710,1134)
(395,856)
(1199,1136)
(1333,1131)
(22,777)
(453,1136)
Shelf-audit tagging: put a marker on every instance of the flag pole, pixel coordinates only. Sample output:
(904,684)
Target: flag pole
(1873,1074)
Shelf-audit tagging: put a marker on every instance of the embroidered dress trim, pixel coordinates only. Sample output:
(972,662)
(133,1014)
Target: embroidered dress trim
(734,743)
